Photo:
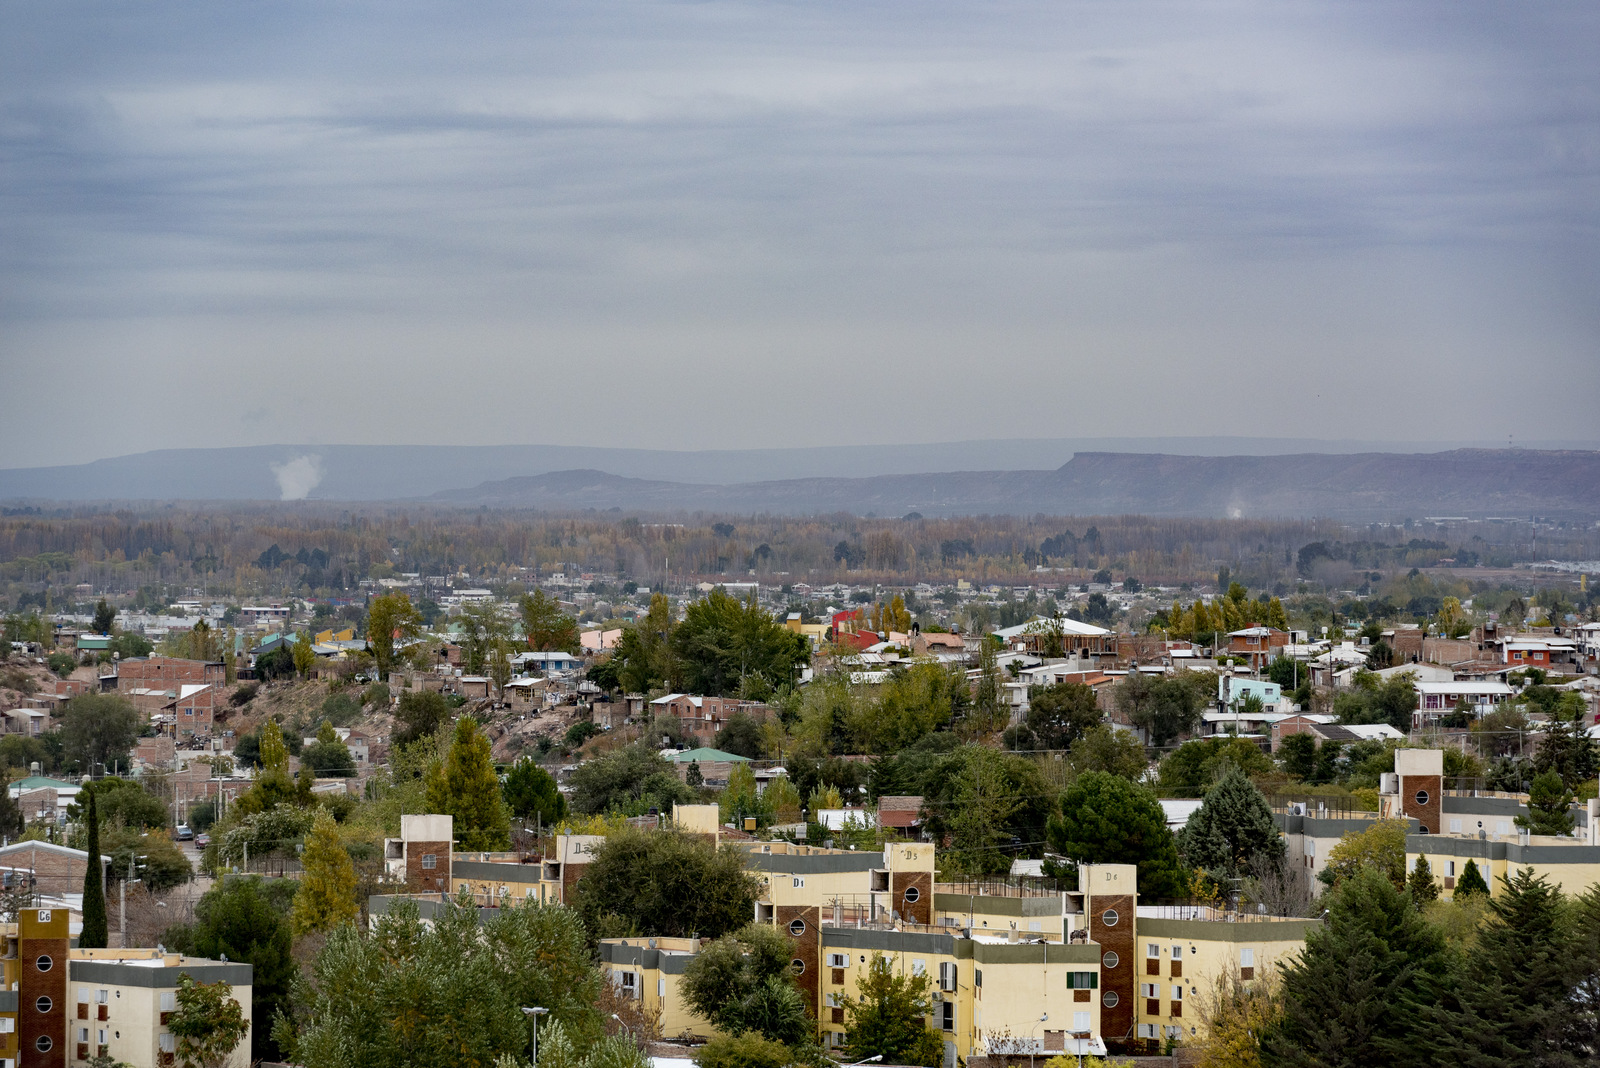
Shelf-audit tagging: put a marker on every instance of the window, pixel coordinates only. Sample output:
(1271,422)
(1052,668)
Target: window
(83,1034)
(797,927)
(919,967)
(1450,868)
(1422,797)
(837,960)
(1152,950)
(8,1024)
(1110,959)
(1080,1021)
(430,861)
(169,1001)
(1035,926)
(1147,1030)
(661,988)
(947,976)
(1455,826)
(44,963)
(1311,847)
(44,1004)
(1177,991)
(913,895)
(947,1015)
(43,1044)
(1149,990)
(797,966)
(1502,827)
(1109,917)
(167,1044)
(100,1038)
(1174,1031)
(1177,952)
(1110,999)
(100,997)
(1247,957)
(1082,980)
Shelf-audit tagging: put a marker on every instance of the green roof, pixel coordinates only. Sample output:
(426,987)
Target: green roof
(40,782)
(703,753)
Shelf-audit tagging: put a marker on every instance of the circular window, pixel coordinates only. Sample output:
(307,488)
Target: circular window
(44,1004)
(44,963)
(798,966)
(797,927)
(43,1044)
(1110,959)
(1110,1000)
(1422,797)
(1109,917)
(912,893)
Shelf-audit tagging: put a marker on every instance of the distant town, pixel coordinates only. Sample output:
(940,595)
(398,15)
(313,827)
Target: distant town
(303,784)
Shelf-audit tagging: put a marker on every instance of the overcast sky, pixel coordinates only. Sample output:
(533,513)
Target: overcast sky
(724,224)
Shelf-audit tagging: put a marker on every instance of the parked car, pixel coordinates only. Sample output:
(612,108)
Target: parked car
(184,834)
(201,841)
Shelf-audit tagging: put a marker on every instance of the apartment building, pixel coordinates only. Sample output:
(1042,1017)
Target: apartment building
(62,1005)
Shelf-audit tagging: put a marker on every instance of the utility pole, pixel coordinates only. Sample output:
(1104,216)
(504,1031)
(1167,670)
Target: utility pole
(122,900)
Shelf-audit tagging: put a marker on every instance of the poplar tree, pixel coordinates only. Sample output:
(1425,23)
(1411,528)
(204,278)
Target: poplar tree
(94,892)
(465,786)
(327,895)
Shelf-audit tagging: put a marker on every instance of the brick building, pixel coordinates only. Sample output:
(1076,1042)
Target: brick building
(53,869)
(700,718)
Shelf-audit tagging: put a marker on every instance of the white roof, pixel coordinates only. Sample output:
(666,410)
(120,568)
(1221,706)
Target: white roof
(1039,625)
(1250,632)
(188,689)
(669,698)
(1373,731)
(1179,809)
(1463,687)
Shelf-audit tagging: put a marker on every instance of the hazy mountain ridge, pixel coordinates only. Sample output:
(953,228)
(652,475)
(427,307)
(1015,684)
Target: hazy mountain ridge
(1368,486)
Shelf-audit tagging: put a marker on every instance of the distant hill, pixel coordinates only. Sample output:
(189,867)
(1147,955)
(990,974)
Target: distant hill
(1361,487)
(396,472)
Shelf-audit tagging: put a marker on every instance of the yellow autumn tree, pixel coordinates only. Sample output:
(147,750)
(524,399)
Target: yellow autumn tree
(1236,1014)
(327,895)
(1276,616)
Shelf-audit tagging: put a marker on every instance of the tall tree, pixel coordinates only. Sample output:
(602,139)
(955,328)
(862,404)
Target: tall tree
(1105,819)
(1549,805)
(727,646)
(644,655)
(1420,884)
(1471,881)
(1350,996)
(531,792)
(99,730)
(327,896)
(240,919)
(666,883)
(105,617)
(94,934)
(1510,1001)
(742,982)
(1058,715)
(545,626)
(391,618)
(1232,832)
(887,1020)
(465,786)
(419,714)
(305,657)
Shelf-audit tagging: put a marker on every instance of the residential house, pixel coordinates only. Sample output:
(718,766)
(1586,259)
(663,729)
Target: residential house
(1258,645)
(701,718)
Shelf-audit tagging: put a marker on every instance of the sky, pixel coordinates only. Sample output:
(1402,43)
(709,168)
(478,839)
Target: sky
(749,224)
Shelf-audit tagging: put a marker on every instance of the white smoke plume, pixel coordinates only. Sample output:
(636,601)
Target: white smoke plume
(298,477)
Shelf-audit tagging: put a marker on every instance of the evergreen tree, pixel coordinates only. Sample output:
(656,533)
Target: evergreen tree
(1105,819)
(1348,996)
(94,894)
(531,793)
(1231,829)
(327,896)
(465,786)
(1582,1031)
(1549,802)
(240,918)
(1471,880)
(1508,1004)
(1420,883)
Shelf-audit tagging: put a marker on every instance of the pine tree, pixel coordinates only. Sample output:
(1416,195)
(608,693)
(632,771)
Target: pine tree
(1349,997)
(94,934)
(327,895)
(1420,883)
(1232,827)
(1549,803)
(1471,881)
(465,786)
(1277,618)
(1509,1003)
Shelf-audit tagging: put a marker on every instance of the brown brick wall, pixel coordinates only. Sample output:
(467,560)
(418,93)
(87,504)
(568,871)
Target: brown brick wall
(1425,814)
(920,910)
(1116,1021)
(33,984)
(428,880)
(164,672)
(807,949)
(55,873)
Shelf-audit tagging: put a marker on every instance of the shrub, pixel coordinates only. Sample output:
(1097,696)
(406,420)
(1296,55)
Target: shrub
(244,693)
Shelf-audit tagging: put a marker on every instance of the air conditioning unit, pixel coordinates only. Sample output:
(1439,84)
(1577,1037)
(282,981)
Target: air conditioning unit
(937,997)
(1389,783)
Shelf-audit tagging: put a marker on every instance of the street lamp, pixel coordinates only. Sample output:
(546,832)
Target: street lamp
(534,1012)
(874,1059)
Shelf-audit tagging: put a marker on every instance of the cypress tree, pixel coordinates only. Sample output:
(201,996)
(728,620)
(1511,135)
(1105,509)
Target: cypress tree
(1232,827)
(1421,885)
(94,890)
(1348,997)
(1471,881)
(1509,1003)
